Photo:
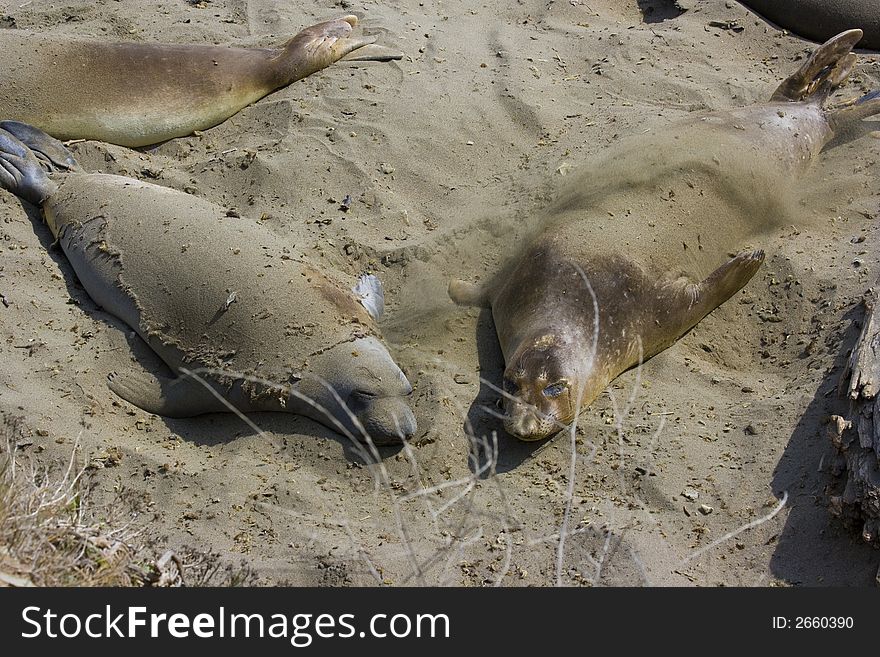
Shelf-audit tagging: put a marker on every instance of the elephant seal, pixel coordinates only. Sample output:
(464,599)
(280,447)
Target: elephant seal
(818,20)
(137,94)
(262,327)
(649,240)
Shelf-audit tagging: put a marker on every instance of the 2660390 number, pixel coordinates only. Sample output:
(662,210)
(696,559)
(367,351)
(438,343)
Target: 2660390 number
(823,622)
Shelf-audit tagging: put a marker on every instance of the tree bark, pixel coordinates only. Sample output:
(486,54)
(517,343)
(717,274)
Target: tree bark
(857,438)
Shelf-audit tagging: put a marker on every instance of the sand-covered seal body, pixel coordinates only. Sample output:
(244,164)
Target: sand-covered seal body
(216,295)
(136,94)
(647,241)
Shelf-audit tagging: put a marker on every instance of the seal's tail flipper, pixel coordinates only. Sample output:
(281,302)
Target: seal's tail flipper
(318,46)
(371,295)
(824,70)
(867,105)
(21,172)
(51,152)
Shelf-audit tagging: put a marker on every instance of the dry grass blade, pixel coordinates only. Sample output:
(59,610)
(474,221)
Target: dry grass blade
(46,536)
(736,532)
(586,366)
(52,535)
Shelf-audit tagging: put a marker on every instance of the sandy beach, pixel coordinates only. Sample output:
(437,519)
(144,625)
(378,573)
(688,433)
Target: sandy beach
(447,154)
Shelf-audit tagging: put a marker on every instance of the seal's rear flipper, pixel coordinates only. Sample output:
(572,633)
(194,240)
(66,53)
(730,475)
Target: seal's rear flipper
(824,71)
(318,46)
(51,152)
(867,105)
(21,172)
(181,397)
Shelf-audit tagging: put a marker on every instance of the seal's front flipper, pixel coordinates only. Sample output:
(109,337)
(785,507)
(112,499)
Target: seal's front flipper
(370,293)
(722,284)
(468,294)
(685,305)
(180,397)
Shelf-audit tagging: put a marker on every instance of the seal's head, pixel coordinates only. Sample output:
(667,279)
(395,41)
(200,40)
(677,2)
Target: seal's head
(541,383)
(359,383)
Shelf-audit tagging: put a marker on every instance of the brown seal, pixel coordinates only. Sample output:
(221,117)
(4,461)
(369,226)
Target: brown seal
(650,240)
(136,94)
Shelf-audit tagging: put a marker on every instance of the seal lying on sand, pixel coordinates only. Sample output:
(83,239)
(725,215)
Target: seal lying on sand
(136,94)
(262,328)
(639,249)
(820,19)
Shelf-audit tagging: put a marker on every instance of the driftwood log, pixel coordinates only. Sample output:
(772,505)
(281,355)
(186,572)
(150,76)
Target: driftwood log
(857,437)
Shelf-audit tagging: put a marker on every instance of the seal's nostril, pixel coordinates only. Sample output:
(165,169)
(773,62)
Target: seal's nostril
(409,430)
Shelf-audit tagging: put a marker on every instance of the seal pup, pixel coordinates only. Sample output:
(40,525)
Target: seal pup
(818,20)
(261,327)
(137,94)
(650,240)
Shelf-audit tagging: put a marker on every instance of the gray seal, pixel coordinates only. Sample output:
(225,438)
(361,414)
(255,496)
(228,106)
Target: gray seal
(241,318)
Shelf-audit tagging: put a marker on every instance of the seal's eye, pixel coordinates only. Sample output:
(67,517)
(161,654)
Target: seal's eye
(510,387)
(555,389)
(360,400)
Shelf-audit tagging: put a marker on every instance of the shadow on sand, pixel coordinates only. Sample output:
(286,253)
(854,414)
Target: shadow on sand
(814,548)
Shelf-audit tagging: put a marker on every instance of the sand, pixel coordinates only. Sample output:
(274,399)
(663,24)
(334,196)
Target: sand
(446,155)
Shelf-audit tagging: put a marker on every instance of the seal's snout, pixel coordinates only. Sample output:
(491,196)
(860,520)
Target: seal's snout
(407,386)
(530,419)
(405,423)
(388,421)
(537,388)
(529,425)
(369,398)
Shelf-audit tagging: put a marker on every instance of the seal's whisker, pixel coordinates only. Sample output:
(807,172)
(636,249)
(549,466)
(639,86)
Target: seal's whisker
(491,411)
